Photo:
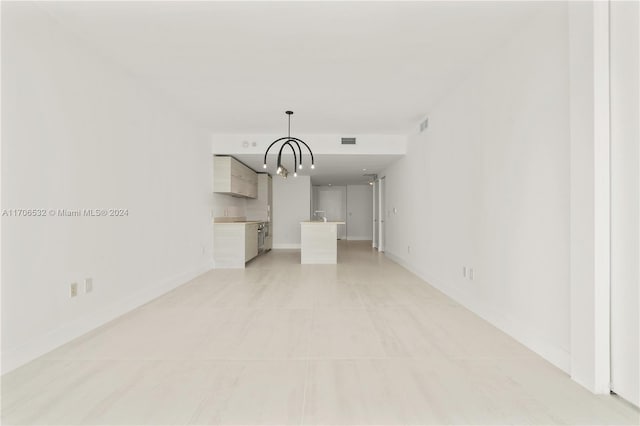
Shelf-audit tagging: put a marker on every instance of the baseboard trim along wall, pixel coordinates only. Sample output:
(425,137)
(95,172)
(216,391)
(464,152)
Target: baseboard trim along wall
(16,357)
(359,238)
(514,328)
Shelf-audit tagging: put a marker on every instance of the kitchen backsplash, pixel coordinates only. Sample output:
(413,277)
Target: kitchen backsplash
(227,206)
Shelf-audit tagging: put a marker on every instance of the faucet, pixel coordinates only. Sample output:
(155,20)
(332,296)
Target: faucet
(324,218)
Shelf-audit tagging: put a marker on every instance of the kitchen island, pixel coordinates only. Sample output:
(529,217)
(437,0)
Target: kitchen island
(319,242)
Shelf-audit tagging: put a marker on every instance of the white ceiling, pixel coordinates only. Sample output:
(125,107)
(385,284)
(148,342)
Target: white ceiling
(337,169)
(343,67)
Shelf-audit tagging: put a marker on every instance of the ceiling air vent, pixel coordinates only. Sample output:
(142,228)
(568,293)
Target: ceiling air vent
(348,141)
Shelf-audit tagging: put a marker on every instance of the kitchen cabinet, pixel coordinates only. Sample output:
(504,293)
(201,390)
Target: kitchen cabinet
(234,243)
(250,241)
(261,208)
(234,178)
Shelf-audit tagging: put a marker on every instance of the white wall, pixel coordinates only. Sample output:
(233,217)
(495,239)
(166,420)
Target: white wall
(625,199)
(359,212)
(78,132)
(291,205)
(487,187)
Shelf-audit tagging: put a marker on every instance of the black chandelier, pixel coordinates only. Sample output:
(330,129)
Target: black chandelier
(290,142)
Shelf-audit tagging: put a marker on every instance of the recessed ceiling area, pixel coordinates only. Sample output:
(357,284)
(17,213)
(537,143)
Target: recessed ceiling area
(344,67)
(338,169)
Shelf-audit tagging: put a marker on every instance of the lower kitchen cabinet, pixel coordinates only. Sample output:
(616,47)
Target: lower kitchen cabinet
(234,244)
(250,241)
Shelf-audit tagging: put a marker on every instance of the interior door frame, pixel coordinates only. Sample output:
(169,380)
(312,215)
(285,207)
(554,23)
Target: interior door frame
(382,214)
(624,202)
(374,206)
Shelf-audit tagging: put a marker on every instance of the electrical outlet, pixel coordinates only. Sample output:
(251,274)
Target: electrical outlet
(73,290)
(88,285)
(471,274)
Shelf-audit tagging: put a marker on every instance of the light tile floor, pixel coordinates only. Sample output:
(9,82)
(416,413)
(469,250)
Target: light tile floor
(279,343)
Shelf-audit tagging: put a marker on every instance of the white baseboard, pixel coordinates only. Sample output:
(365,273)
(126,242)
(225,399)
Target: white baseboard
(359,238)
(239,264)
(13,358)
(513,327)
(286,246)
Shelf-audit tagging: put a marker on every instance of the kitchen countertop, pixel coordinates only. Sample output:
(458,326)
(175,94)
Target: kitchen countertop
(245,222)
(236,220)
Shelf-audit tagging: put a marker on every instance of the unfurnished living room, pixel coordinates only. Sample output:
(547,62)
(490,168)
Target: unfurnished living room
(320,212)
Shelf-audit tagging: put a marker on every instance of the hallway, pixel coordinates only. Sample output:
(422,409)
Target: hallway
(361,342)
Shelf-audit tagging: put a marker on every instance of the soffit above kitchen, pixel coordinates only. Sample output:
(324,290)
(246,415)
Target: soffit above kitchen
(335,169)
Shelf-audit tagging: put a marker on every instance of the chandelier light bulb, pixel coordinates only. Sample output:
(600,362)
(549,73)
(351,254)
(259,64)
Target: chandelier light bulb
(313,166)
(264,166)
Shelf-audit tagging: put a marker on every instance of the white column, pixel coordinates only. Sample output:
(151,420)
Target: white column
(625,200)
(590,193)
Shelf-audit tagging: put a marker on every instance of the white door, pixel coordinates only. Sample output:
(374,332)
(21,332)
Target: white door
(625,200)
(375,215)
(382,214)
(332,201)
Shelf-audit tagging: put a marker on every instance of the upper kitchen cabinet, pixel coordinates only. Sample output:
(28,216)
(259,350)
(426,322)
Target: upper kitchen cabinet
(260,209)
(234,178)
